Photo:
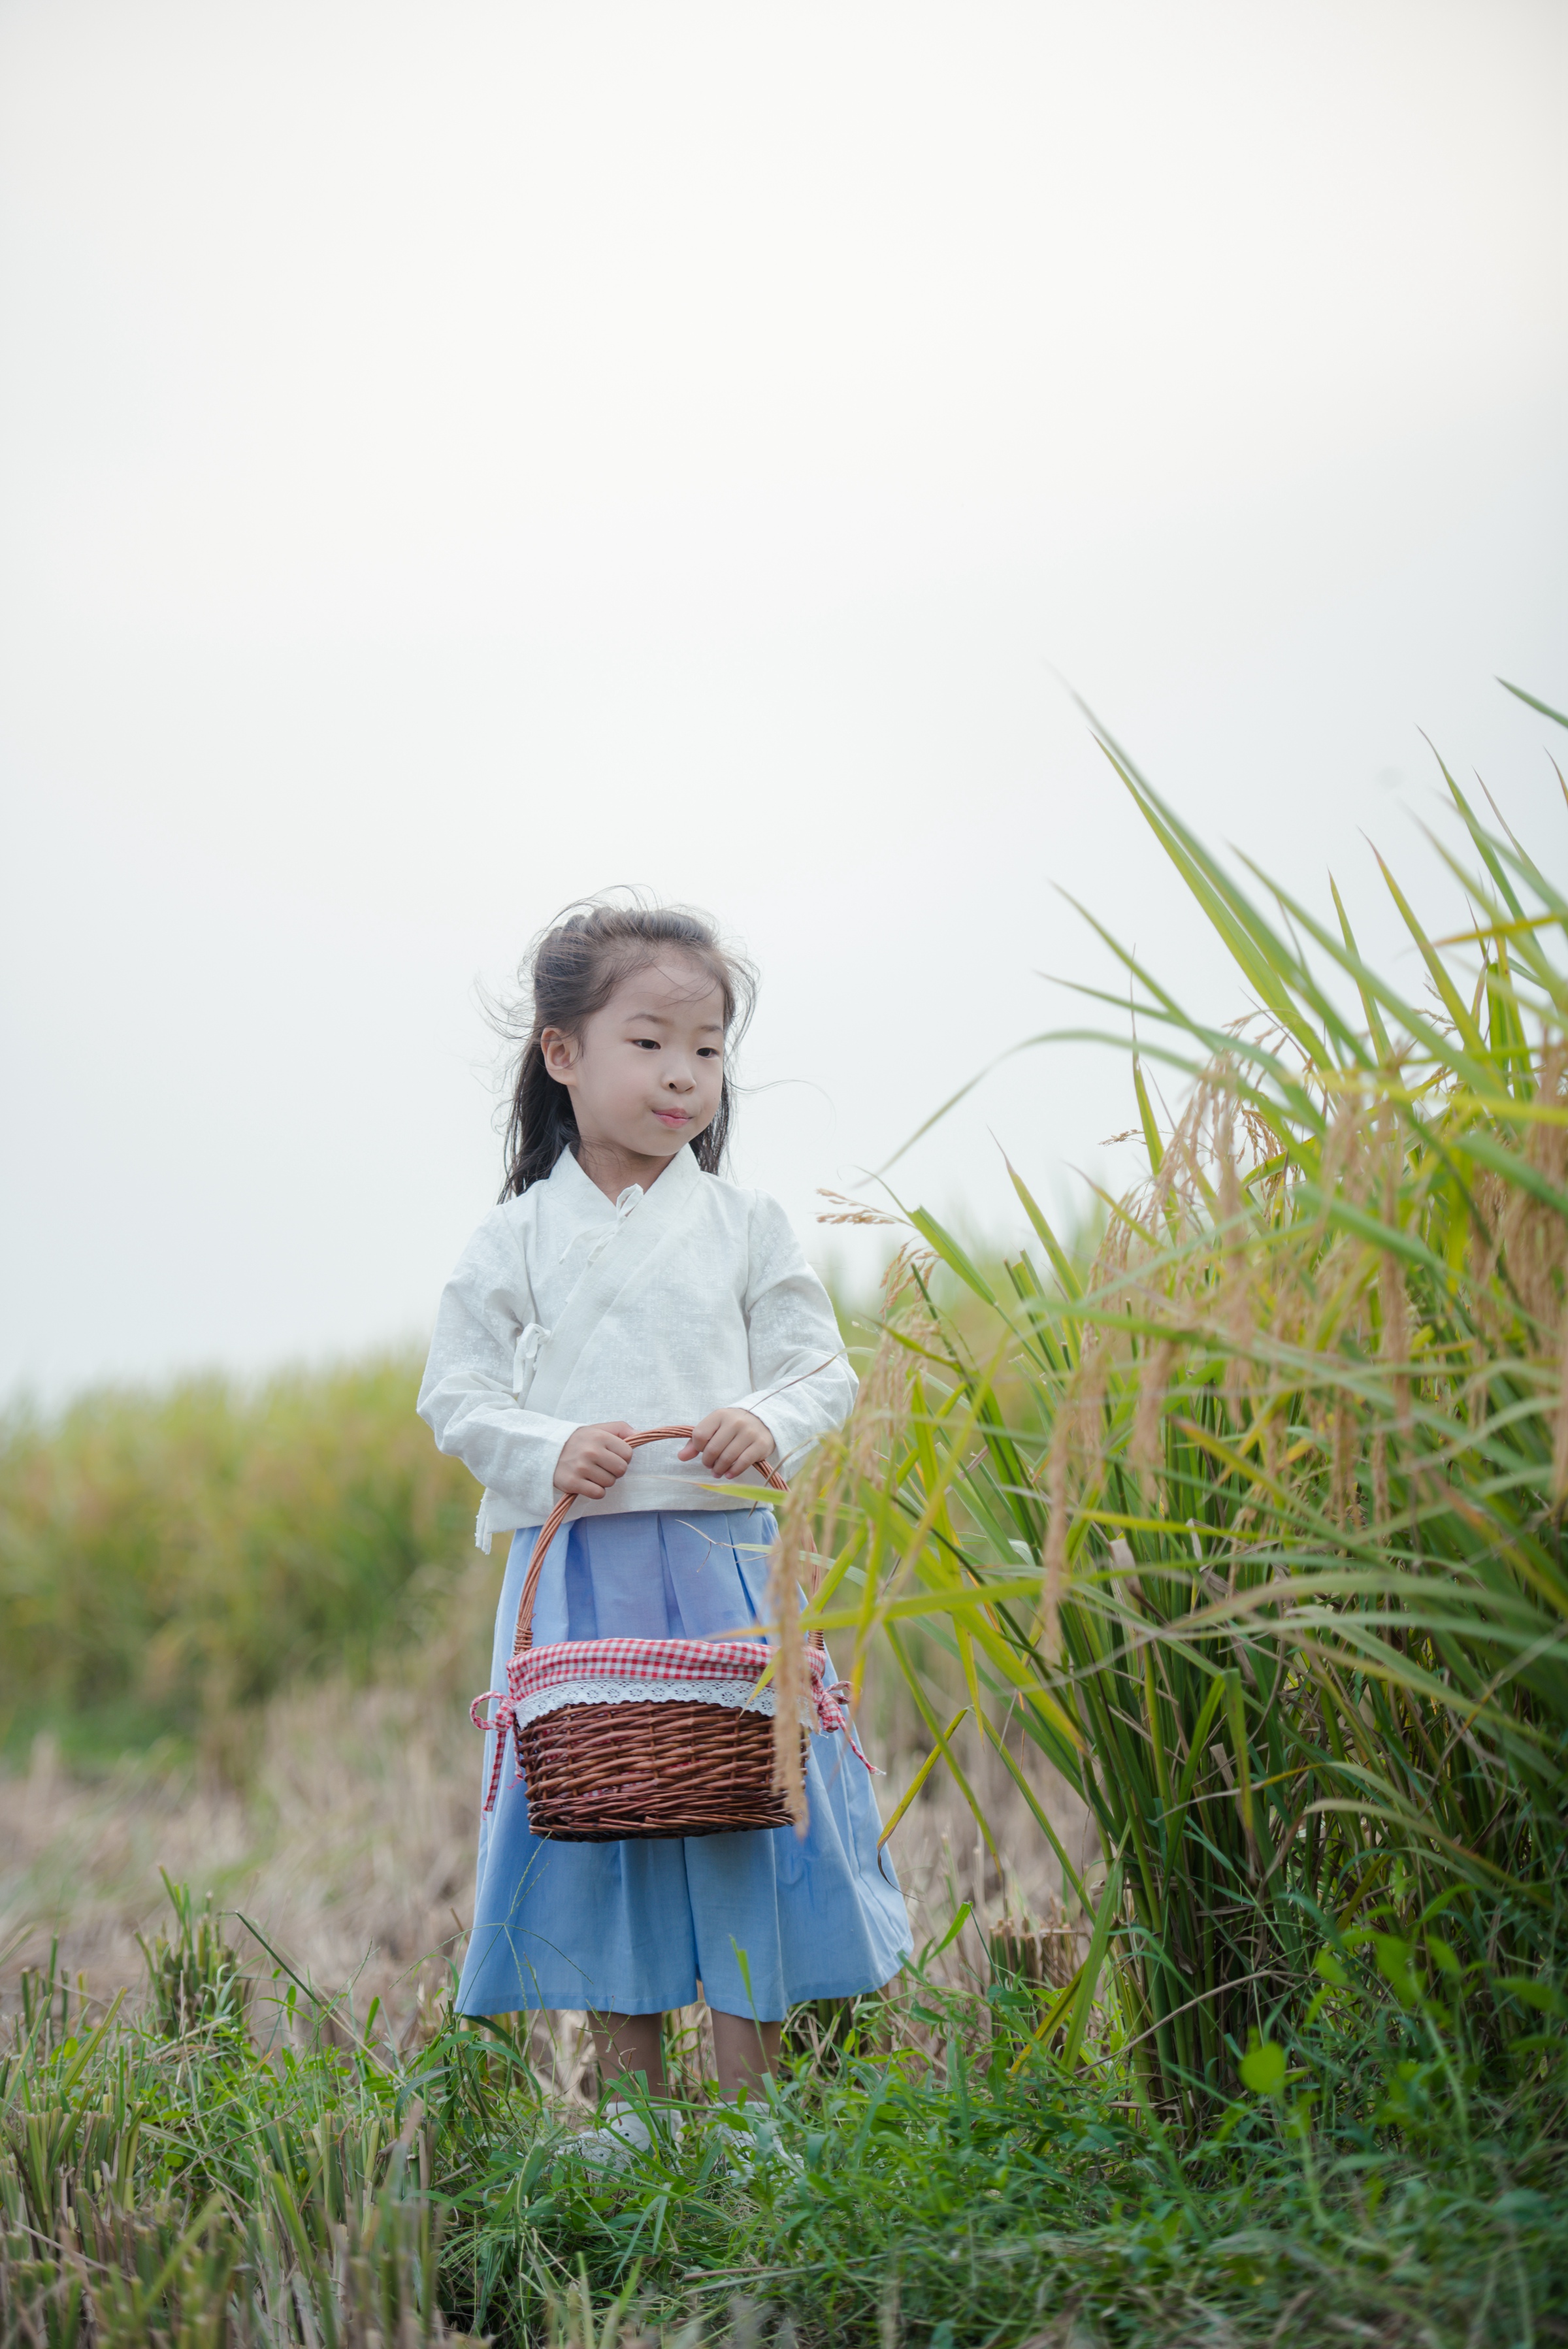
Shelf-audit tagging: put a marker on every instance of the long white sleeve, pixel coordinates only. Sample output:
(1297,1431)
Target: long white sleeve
(467,1397)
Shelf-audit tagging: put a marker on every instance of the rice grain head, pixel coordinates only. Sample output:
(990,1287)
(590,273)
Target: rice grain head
(1560,1421)
(1144,1451)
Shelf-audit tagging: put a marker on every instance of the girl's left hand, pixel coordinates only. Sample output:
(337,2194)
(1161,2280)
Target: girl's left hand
(730,1441)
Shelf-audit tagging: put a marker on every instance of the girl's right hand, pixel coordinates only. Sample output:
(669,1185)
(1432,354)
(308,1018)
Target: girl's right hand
(592,1459)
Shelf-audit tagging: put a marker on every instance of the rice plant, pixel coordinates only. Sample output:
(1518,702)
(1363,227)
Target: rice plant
(1254,1532)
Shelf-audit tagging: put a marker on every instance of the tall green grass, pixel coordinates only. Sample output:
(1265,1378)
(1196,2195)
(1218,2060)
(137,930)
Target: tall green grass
(1256,1533)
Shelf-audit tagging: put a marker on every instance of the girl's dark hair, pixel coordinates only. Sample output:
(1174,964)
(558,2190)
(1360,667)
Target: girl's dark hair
(571,972)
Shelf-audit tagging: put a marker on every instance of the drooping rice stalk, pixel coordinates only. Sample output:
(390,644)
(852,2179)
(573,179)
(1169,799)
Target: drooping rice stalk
(1255,1531)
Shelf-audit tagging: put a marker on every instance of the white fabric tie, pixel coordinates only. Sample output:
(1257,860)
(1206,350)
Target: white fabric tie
(630,1199)
(526,1354)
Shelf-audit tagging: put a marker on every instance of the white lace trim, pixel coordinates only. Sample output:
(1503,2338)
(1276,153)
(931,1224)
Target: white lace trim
(735,1696)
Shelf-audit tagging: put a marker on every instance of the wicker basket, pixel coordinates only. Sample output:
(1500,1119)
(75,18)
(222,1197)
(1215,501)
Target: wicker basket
(623,1738)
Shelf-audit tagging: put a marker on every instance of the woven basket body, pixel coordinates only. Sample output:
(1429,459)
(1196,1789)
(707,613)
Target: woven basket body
(599,1773)
(629,1766)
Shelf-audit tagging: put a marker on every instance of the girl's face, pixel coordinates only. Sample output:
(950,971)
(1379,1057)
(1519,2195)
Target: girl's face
(646,1070)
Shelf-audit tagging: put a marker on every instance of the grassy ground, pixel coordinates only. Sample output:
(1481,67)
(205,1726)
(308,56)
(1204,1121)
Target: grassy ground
(347,1848)
(250,2162)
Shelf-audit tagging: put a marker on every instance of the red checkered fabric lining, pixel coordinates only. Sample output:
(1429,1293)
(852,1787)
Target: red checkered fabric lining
(643,1659)
(567,1661)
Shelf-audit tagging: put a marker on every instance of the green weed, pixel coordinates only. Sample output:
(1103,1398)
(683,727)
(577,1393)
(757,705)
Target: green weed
(940,2186)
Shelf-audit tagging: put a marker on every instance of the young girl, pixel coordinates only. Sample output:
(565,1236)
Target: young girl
(622,1284)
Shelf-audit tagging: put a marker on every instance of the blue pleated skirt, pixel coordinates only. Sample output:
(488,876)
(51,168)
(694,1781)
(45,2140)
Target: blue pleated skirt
(760,1920)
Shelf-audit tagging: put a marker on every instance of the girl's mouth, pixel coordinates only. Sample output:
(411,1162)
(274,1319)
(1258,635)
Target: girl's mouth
(673,1116)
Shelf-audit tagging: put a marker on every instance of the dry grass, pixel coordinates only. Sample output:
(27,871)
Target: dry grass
(350,1845)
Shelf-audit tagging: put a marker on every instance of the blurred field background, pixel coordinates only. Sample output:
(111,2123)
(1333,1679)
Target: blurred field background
(239,1626)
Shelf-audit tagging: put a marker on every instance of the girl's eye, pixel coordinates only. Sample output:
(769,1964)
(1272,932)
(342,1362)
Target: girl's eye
(646,1043)
(710,1052)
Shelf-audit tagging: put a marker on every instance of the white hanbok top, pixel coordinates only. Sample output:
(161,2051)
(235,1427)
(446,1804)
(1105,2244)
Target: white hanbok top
(566,1310)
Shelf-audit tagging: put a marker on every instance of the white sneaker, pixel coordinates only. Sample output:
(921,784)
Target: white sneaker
(752,2138)
(624,2134)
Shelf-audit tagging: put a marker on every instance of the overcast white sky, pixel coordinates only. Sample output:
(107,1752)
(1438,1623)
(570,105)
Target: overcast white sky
(455,457)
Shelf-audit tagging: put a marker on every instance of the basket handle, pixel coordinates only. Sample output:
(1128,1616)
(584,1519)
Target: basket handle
(557,1518)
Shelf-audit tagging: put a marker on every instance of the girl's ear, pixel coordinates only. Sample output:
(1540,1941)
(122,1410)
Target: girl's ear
(559,1052)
